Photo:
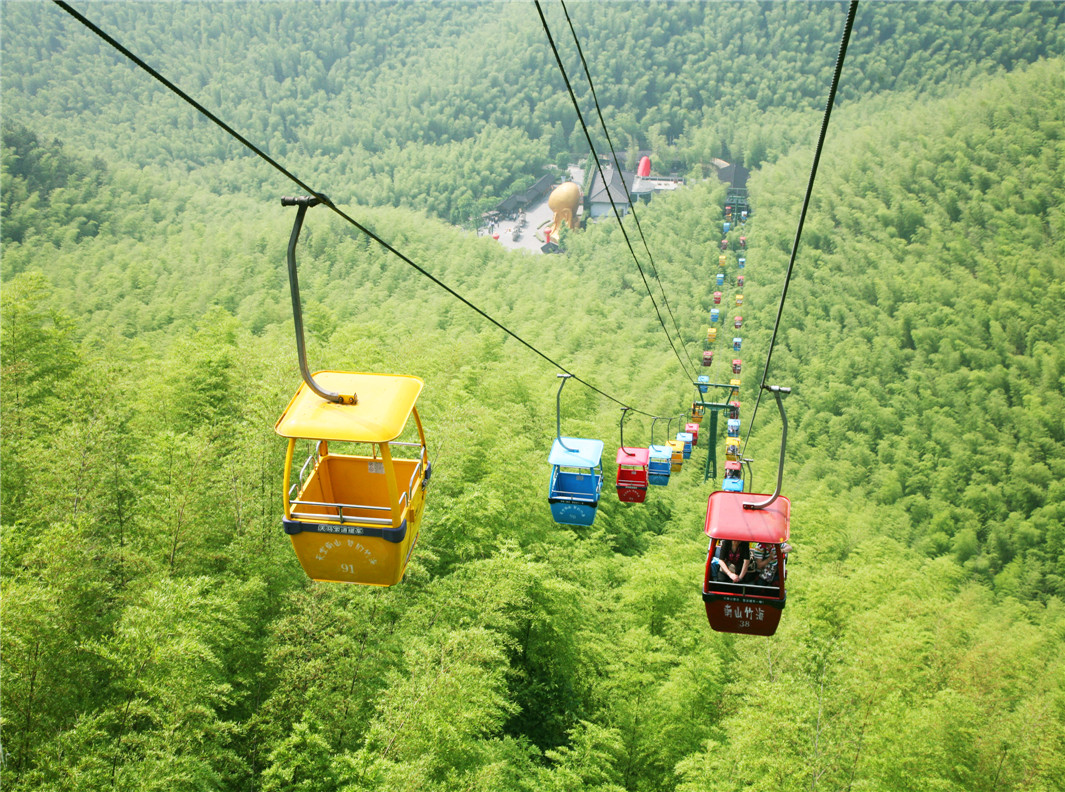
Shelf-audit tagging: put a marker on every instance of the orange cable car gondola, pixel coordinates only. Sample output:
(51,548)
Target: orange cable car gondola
(352,518)
(676,446)
(698,411)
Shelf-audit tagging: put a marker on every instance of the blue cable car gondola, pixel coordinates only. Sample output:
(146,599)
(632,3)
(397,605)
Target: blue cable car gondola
(715,313)
(733,427)
(721,277)
(733,481)
(726,226)
(704,383)
(659,461)
(737,342)
(687,439)
(576,474)
(742,262)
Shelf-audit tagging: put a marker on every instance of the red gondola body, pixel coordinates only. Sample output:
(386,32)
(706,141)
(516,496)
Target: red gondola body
(694,429)
(717,298)
(745,608)
(632,474)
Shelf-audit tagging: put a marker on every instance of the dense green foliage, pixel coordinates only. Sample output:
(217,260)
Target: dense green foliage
(157,631)
(450,109)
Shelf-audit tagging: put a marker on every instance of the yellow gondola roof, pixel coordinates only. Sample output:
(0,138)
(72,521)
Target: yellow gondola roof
(385,403)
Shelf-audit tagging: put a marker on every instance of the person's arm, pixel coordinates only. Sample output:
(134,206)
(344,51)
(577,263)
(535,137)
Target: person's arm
(743,572)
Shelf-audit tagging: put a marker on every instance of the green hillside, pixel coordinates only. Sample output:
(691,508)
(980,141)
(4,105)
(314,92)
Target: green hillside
(451,108)
(157,630)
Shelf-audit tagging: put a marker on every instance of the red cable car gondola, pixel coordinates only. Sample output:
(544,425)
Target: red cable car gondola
(753,604)
(632,477)
(752,609)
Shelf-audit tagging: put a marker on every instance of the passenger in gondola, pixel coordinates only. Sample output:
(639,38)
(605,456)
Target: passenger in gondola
(734,562)
(764,563)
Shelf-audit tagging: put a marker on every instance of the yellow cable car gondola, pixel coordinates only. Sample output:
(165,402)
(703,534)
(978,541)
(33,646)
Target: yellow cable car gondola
(354,518)
(354,511)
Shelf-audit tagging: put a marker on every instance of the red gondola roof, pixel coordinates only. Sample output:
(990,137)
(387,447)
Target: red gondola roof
(633,455)
(727,519)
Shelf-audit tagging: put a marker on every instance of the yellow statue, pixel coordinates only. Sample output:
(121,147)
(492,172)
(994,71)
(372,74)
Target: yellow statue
(564,201)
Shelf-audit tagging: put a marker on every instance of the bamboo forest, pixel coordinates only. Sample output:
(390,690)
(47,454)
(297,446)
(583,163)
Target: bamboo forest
(549,259)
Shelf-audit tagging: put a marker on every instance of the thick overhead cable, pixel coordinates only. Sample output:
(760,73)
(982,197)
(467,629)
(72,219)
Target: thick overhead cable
(326,201)
(609,194)
(852,11)
(617,167)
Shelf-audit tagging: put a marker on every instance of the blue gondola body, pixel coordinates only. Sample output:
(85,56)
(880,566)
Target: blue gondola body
(721,278)
(733,427)
(576,480)
(732,485)
(659,465)
(737,342)
(686,438)
(704,383)
(714,314)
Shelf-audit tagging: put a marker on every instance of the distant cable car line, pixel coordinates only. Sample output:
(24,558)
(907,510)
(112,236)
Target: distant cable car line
(325,200)
(617,214)
(841,55)
(617,166)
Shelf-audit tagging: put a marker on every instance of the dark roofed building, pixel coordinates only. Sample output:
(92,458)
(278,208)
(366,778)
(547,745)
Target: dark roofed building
(620,189)
(736,175)
(520,200)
